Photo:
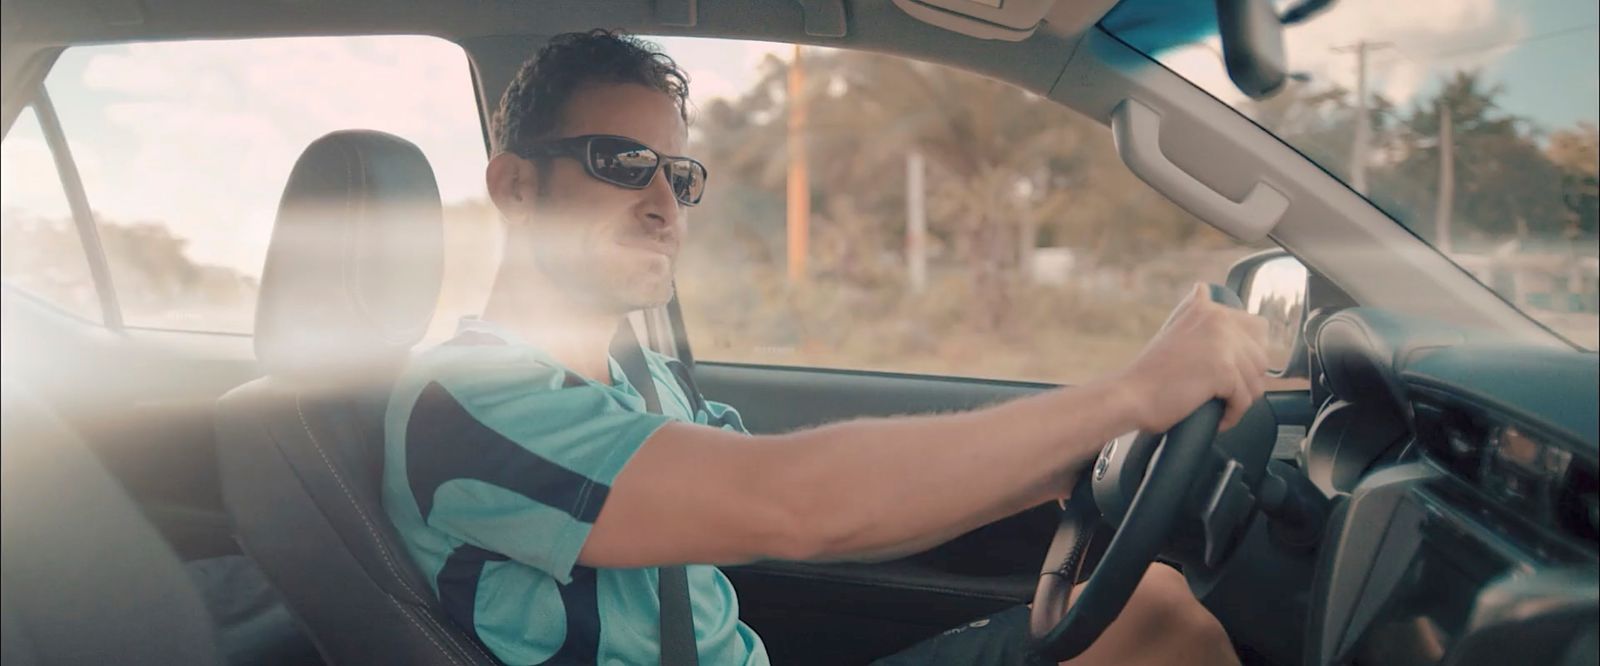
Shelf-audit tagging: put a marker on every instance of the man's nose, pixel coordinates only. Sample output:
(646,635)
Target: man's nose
(660,205)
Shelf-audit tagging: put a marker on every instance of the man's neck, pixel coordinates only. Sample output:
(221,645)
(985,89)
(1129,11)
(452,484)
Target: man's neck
(547,317)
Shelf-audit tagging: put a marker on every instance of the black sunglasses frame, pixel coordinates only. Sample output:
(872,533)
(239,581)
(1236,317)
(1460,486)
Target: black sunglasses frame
(577,147)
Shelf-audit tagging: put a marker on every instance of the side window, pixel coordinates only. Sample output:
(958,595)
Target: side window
(951,224)
(40,251)
(184,149)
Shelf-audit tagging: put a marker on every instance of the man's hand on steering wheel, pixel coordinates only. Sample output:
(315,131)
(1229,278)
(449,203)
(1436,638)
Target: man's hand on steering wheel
(1200,374)
(1205,350)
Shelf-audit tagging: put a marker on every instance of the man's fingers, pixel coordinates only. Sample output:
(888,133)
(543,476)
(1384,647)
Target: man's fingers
(1257,383)
(1252,384)
(1239,400)
(1195,298)
(1204,336)
(1254,341)
(1253,327)
(1255,357)
(1256,327)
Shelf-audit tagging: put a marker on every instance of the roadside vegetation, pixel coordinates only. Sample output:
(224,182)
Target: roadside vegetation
(1045,259)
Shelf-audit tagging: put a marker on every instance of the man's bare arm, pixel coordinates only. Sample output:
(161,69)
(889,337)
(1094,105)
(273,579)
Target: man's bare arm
(845,491)
(880,488)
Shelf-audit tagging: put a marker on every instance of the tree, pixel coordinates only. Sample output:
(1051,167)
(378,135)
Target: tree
(156,282)
(1505,185)
(1007,169)
(1576,155)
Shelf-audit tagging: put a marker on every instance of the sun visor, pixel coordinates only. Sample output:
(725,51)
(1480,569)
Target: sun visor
(1009,20)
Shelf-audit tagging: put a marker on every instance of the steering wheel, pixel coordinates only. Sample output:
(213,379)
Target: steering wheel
(1061,632)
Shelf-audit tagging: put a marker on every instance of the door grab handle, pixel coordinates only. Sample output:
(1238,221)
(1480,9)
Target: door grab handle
(1137,130)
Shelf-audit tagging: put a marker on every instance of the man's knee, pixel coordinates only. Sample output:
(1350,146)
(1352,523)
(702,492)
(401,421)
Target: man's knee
(1166,612)
(1161,624)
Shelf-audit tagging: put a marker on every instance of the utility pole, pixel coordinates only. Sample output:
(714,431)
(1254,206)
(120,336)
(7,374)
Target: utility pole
(916,222)
(799,191)
(1358,149)
(1447,178)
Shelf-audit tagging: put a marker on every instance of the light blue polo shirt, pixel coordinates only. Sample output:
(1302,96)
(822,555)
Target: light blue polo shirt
(497,461)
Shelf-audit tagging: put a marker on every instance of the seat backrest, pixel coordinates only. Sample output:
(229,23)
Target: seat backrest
(350,284)
(84,578)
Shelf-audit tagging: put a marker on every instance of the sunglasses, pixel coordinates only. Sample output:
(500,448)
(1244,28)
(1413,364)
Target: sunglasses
(623,162)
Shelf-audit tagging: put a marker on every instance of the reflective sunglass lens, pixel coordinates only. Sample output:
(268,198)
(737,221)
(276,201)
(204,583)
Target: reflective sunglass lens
(688,180)
(623,162)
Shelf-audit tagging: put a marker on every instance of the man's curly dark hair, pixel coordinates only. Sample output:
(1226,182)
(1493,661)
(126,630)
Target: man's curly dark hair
(533,104)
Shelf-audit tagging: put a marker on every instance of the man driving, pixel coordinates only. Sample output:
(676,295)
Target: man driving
(535,488)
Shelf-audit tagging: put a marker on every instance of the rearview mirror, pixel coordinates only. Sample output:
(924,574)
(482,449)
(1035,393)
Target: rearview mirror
(1252,45)
(1272,285)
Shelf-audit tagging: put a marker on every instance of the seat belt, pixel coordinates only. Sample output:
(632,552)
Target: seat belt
(677,621)
(680,334)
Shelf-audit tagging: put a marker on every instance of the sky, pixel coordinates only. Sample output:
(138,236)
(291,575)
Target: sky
(1543,52)
(200,136)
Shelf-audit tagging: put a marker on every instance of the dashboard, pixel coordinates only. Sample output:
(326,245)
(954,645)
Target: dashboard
(1467,513)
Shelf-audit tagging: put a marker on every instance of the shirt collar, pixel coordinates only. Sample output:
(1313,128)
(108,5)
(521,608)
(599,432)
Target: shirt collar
(474,324)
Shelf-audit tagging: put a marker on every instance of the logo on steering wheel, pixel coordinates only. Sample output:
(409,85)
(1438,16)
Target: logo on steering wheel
(1103,463)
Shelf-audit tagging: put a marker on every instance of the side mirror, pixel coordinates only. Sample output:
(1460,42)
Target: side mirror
(1272,284)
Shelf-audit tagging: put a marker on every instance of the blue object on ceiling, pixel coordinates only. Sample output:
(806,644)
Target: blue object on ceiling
(1155,26)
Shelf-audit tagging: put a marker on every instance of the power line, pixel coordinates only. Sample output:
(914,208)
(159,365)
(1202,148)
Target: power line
(1454,53)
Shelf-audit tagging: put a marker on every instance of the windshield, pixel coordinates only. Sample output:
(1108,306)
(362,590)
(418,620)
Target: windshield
(1471,122)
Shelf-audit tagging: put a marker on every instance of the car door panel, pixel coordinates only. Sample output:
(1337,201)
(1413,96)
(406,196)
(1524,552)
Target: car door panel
(774,399)
(850,613)
(142,400)
(867,610)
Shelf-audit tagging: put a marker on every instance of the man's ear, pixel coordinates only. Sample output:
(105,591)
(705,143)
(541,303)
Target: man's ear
(512,182)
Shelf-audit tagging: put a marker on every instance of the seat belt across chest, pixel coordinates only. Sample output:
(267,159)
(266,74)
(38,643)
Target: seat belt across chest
(677,620)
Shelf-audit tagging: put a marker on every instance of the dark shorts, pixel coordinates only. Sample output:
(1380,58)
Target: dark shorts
(998,640)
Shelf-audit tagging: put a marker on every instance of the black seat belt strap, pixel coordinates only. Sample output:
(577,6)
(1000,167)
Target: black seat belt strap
(677,620)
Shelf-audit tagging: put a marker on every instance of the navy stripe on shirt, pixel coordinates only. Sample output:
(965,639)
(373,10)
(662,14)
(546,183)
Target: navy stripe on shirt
(458,584)
(582,643)
(444,443)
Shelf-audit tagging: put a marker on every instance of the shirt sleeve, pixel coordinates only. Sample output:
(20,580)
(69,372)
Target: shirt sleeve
(518,458)
(721,415)
(698,409)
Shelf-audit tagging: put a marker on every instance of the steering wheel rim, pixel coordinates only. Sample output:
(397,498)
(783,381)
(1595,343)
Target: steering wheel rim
(1061,631)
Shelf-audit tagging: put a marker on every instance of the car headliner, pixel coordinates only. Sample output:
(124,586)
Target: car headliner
(35,28)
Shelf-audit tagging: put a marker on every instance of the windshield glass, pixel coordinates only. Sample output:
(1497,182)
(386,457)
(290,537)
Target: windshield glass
(1471,122)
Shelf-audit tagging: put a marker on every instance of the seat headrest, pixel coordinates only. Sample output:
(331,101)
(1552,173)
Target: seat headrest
(353,272)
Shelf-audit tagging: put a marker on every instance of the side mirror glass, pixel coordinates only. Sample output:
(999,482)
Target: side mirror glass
(1273,286)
